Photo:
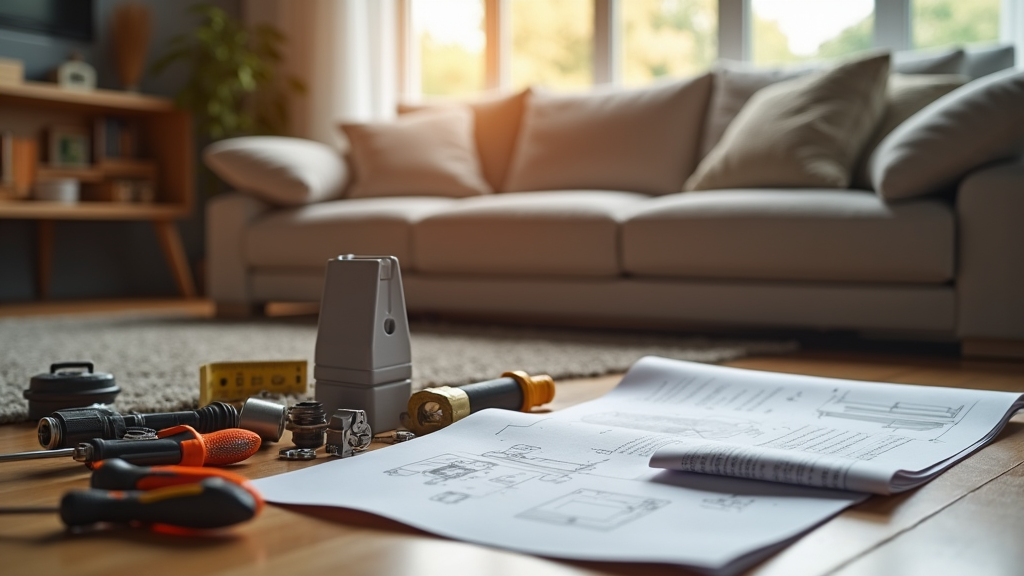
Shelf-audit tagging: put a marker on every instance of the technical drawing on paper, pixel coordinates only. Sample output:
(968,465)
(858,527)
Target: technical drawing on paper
(449,497)
(469,476)
(726,503)
(896,415)
(556,470)
(711,428)
(464,476)
(593,509)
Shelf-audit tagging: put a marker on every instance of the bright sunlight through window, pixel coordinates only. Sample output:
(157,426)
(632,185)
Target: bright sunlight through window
(667,38)
(451,41)
(798,30)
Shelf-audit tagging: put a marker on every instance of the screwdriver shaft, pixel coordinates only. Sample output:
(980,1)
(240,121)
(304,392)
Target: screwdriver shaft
(37,455)
(29,510)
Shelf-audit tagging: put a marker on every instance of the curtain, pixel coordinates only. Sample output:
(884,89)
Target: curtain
(345,51)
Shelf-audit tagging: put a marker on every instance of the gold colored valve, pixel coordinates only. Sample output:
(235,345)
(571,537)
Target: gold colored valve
(431,409)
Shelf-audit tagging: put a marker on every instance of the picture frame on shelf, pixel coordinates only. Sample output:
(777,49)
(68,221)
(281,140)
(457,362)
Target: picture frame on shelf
(69,147)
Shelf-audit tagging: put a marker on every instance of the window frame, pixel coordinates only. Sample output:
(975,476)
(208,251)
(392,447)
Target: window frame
(892,30)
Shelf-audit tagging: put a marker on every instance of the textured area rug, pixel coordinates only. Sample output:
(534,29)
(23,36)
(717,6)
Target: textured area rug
(155,359)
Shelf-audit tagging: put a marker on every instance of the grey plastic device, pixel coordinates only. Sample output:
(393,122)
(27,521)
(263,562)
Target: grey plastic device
(363,359)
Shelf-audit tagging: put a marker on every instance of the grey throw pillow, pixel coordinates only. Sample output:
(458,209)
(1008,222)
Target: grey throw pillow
(805,132)
(978,123)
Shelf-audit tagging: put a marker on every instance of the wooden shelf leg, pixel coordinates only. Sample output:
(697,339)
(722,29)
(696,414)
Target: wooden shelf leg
(170,241)
(44,257)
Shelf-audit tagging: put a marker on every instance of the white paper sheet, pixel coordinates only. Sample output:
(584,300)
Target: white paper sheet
(575,484)
(827,432)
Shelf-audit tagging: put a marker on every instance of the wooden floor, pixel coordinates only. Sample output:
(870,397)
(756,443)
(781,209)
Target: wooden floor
(970,520)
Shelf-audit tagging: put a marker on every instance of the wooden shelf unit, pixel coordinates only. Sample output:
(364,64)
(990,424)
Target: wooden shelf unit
(165,140)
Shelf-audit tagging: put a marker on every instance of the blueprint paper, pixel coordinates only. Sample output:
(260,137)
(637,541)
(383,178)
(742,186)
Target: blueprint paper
(573,484)
(825,432)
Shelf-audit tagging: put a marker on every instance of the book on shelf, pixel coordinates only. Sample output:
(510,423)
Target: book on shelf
(19,157)
(115,138)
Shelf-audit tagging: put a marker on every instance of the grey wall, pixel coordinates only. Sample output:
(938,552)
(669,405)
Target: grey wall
(100,259)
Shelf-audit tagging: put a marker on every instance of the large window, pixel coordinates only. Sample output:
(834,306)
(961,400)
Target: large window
(667,38)
(945,22)
(552,43)
(794,30)
(450,41)
(461,47)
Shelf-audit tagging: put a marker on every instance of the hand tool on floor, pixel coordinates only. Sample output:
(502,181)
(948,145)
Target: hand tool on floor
(66,428)
(180,445)
(181,497)
(434,408)
(236,381)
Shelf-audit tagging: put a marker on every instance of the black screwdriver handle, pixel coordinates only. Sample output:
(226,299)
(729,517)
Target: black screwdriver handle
(212,503)
(140,452)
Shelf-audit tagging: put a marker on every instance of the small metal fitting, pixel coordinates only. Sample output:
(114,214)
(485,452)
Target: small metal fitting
(348,433)
(297,454)
(307,421)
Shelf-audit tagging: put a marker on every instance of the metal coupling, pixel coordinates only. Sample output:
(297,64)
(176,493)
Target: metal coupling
(308,422)
(348,433)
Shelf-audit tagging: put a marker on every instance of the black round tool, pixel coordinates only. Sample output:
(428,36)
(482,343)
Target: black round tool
(67,385)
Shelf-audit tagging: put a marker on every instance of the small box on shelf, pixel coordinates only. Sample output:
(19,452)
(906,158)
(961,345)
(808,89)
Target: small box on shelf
(12,72)
(120,190)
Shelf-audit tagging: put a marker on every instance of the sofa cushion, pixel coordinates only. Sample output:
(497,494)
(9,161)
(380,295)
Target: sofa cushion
(980,122)
(906,95)
(987,60)
(562,233)
(807,131)
(426,153)
(734,84)
(310,235)
(286,171)
(820,235)
(495,127)
(929,61)
(643,140)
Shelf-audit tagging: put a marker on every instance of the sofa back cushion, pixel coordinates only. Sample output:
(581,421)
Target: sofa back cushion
(906,95)
(285,171)
(496,120)
(636,140)
(805,132)
(978,123)
(426,153)
(734,83)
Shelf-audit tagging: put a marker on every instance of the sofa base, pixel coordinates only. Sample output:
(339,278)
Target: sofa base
(990,348)
(821,306)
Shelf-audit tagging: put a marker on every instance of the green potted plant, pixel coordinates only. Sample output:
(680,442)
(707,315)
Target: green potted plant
(234,87)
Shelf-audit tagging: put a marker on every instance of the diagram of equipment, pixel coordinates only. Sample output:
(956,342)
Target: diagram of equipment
(593,509)
(896,415)
(711,428)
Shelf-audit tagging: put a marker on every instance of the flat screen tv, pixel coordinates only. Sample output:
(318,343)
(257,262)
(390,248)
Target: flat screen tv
(72,19)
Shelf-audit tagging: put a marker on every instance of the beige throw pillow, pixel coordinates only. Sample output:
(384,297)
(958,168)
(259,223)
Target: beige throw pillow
(978,123)
(426,153)
(496,120)
(734,84)
(805,132)
(906,95)
(286,171)
(633,140)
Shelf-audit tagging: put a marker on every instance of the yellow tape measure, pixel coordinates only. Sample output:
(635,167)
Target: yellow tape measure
(236,381)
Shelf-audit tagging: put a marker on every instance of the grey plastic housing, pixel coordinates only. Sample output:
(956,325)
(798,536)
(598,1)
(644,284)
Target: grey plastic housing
(363,360)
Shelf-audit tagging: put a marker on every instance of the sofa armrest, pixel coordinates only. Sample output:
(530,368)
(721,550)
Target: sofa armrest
(990,271)
(227,216)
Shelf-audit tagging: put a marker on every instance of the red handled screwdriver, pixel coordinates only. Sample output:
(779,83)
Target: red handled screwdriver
(181,497)
(180,445)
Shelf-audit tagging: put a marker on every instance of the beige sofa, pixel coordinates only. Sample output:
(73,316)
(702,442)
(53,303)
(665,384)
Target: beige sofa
(944,265)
